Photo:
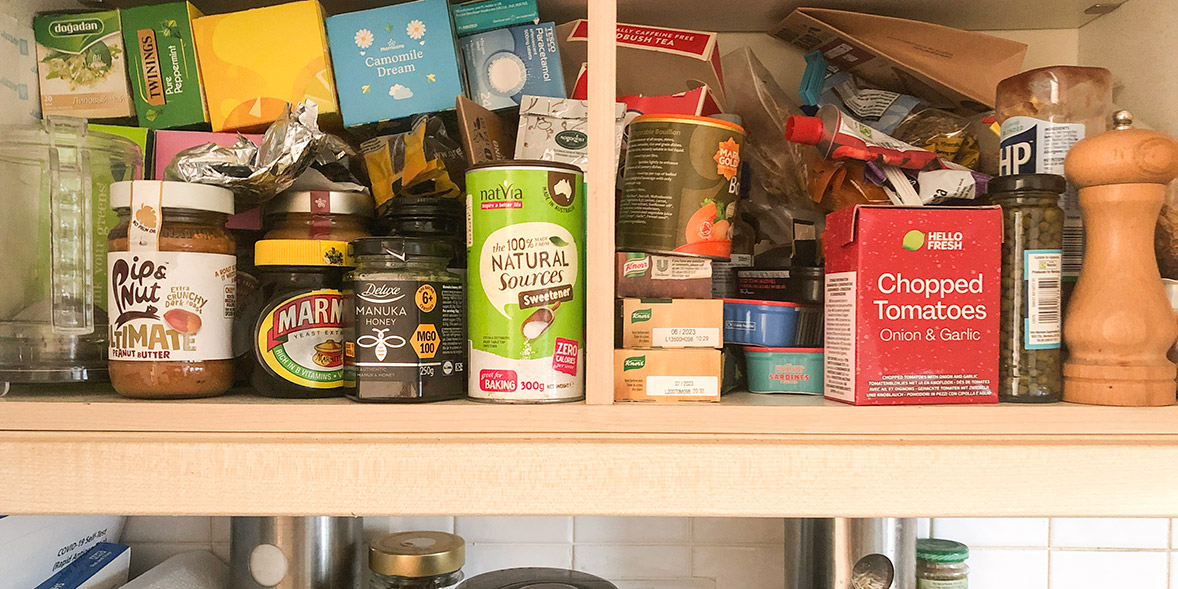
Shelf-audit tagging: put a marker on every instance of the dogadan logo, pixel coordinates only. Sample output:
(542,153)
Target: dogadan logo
(70,28)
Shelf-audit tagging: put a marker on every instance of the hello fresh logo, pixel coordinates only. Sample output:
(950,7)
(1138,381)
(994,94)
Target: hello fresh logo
(933,240)
(634,363)
(72,28)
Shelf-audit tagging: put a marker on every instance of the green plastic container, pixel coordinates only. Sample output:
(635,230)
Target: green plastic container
(784,370)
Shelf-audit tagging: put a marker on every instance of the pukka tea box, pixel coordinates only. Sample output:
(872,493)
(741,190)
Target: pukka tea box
(256,61)
(395,61)
(82,65)
(503,65)
(161,60)
(912,304)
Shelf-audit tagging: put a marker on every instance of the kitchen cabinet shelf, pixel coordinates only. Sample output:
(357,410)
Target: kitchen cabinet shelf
(752,455)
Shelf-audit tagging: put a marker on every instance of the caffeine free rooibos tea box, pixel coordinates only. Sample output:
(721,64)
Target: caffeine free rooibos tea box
(912,305)
(82,65)
(256,61)
(395,61)
(161,60)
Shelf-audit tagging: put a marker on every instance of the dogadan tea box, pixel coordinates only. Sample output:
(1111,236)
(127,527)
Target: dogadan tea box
(912,304)
(395,61)
(82,65)
(161,59)
(254,62)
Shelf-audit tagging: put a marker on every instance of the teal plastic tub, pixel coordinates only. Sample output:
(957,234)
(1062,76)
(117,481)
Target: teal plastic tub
(784,370)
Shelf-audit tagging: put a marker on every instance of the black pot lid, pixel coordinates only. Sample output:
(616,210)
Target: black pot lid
(536,578)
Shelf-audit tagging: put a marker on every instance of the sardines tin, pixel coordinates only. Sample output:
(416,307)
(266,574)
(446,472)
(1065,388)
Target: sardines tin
(526,284)
(912,304)
(680,186)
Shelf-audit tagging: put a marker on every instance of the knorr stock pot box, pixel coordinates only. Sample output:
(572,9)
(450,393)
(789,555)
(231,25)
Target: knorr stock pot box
(82,65)
(912,305)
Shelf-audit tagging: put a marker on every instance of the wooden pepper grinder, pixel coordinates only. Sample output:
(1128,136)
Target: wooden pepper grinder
(1118,324)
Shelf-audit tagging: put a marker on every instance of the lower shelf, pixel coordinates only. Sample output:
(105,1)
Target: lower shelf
(751,455)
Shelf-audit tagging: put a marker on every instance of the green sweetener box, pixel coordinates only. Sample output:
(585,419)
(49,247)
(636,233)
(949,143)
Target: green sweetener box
(485,15)
(161,59)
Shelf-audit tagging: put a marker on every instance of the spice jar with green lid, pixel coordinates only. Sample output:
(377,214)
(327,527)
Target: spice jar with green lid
(940,564)
(1030,367)
(416,560)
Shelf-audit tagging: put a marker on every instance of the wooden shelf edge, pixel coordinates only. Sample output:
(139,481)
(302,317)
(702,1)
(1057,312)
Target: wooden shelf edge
(775,476)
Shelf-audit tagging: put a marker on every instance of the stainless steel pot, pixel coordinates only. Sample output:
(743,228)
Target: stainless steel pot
(850,553)
(296,552)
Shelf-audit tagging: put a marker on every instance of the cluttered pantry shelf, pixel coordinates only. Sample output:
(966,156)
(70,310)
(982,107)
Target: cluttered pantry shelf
(96,409)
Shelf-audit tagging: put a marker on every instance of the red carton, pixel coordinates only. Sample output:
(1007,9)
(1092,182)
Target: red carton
(912,304)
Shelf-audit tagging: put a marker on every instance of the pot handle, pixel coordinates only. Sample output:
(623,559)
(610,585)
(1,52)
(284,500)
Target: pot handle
(71,260)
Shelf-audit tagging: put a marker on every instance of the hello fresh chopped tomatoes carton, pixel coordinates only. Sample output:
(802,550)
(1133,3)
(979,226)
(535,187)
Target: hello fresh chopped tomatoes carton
(912,304)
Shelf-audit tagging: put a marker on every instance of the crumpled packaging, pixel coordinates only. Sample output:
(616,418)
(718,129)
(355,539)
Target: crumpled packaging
(423,162)
(255,173)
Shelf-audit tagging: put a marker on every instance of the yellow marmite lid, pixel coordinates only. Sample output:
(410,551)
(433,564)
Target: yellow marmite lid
(302,252)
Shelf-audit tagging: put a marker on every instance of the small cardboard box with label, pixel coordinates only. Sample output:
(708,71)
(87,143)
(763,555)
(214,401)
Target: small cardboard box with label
(672,323)
(161,59)
(503,65)
(82,65)
(256,61)
(395,61)
(667,376)
(912,304)
(487,15)
(649,276)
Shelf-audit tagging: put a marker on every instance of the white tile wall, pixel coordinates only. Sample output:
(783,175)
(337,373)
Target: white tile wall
(736,553)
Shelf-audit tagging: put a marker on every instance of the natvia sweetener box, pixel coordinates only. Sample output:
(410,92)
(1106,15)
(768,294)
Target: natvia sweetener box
(395,61)
(912,305)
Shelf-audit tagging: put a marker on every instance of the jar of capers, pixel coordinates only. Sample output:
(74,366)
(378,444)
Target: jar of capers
(1030,367)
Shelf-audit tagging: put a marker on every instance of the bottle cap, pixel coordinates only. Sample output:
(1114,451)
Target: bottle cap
(805,130)
(417,554)
(402,247)
(937,550)
(1027,182)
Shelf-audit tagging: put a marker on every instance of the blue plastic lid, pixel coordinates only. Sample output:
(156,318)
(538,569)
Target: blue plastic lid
(786,350)
(811,87)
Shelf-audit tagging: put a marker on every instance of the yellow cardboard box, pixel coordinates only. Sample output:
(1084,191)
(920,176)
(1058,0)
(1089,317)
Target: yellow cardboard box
(256,61)
(672,323)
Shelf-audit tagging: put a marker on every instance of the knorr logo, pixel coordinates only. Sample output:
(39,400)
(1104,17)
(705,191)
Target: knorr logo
(634,363)
(913,240)
(69,28)
(572,139)
(635,267)
(640,315)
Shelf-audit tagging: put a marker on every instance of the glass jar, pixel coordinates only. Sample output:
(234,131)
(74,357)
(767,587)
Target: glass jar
(170,290)
(319,214)
(404,322)
(940,564)
(298,342)
(1030,365)
(441,218)
(416,560)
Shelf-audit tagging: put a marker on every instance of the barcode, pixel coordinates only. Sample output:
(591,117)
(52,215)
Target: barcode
(1073,249)
(1048,300)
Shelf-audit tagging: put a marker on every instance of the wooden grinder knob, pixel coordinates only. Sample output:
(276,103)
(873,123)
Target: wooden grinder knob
(1119,323)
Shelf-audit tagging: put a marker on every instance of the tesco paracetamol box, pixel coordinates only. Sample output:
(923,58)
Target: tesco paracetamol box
(912,304)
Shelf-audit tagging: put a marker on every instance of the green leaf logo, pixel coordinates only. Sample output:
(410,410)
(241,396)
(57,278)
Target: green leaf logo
(913,240)
(557,241)
(640,315)
(634,363)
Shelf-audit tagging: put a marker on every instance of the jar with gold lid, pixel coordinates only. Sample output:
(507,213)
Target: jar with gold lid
(416,560)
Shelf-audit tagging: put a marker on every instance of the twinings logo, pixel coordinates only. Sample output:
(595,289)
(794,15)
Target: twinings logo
(640,315)
(727,158)
(635,267)
(70,28)
(153,81)
(634,363)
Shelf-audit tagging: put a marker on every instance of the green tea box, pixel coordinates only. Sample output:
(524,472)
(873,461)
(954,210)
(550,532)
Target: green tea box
(82,65)
(161,59)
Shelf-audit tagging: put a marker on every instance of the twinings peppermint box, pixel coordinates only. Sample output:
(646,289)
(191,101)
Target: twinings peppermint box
(395,61)
(912,304)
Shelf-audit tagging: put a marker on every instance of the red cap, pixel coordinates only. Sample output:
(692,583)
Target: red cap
(800,129)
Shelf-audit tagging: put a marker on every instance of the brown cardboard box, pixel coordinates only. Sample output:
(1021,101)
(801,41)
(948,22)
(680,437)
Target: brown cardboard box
(485,136)
(667,376)
(652,61)
(672,323)
(946,67)
(642,275)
